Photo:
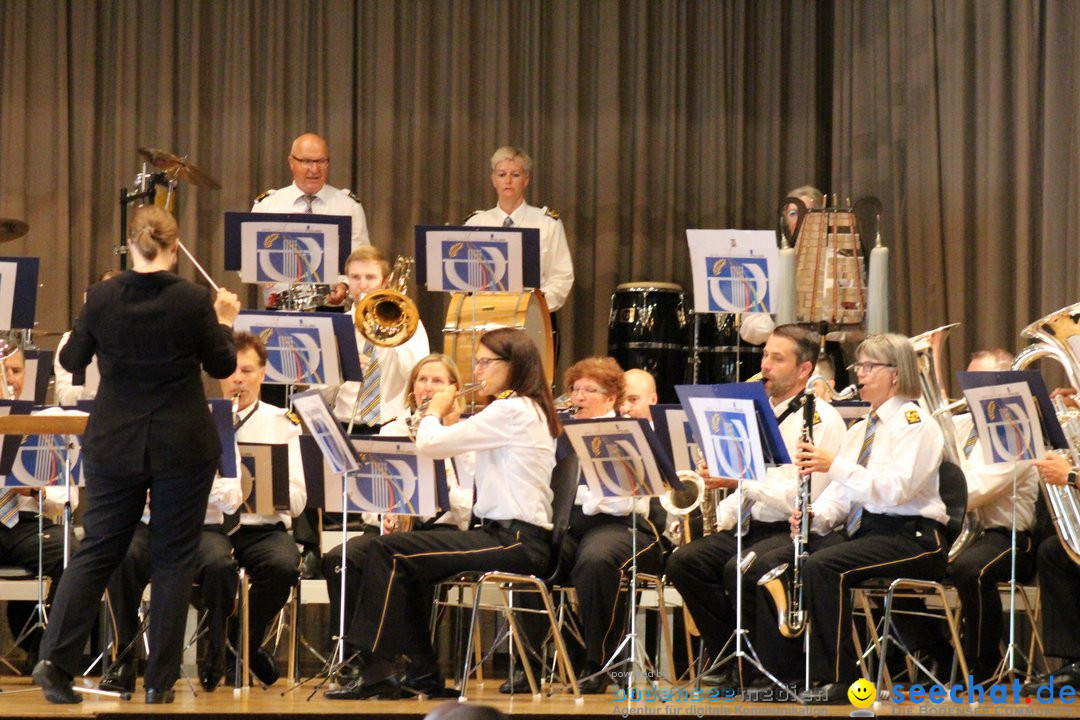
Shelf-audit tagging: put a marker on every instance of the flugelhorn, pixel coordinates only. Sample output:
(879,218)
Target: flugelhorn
(388,317)
(413,421)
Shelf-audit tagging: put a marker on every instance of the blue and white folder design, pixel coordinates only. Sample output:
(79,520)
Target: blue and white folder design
(732,270)
(1007,421)
(620,457)
(476,259)
(40,461)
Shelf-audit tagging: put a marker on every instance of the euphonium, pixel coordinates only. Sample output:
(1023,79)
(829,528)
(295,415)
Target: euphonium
(1054,336)
(388,317)
(927,348)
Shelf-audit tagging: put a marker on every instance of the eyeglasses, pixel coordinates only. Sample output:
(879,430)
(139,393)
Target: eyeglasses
(308,163)
(868,367)
(482,363)
(587,391)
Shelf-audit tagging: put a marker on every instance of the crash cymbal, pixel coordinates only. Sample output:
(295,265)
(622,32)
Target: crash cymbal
(178,168)
(11,229)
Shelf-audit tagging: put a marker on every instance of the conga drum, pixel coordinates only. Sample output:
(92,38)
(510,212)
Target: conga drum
(470,315)
(722,355)
(647,330)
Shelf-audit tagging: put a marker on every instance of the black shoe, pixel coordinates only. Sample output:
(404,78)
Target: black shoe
(55,683)
(827,694)
(210,674)
(517,683)
(432,685)
(159,697)
(388,688)
(120,678)
(594,683)
(263,667)
(1066,675)
(348,672)
(311,565)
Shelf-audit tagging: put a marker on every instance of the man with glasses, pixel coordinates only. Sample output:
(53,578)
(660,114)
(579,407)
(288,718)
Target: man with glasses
(705,571)
(309,161)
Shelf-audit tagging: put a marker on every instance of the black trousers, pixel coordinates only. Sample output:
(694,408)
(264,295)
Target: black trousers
(595,553)
(127,584)
(19,546)
(884,547)
(269,555)
(1059,578)
(401,569)
(705,572)
(114,505)
(782,656)
(976,573)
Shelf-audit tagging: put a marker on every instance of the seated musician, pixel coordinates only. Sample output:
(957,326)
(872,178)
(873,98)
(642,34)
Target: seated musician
(598,546)
(705,571)
(978,569)
(65,391)
(381,396)
(262,543)
(1059,579)
(428,376)
(19,528)
(883,486)
(514,441)
(640,394)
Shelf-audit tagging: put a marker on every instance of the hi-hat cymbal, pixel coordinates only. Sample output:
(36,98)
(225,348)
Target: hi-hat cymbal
(178,167)
(11,229)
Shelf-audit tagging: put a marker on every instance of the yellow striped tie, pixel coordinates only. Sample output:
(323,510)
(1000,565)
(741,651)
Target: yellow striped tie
(854,518)
(972,438)
(9,508)
(370,410)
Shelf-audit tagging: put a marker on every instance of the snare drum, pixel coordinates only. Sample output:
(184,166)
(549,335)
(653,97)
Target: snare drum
(647,330)
(722,355)
(472,315)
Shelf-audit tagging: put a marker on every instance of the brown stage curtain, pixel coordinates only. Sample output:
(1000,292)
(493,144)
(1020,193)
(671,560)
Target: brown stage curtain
(644,118)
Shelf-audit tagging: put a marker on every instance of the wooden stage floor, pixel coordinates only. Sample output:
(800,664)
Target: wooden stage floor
(20,699)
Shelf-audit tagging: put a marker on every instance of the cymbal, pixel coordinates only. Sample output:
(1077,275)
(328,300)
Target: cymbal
(11,229)
(178,167)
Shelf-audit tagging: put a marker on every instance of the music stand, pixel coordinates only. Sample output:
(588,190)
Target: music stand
(980,390)
(301,250)
(305,348)
(474,261)
(623,458)
(737,431)
(376,474)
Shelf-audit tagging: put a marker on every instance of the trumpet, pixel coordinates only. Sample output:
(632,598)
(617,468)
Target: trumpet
(413,421)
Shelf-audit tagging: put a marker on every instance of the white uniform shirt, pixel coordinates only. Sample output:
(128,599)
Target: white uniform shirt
(328,201)
(460,491)
(990,486)
(515,455)
(395,364)
(65,392)
(901,476)
(556,264)
(271,425)
(774,499)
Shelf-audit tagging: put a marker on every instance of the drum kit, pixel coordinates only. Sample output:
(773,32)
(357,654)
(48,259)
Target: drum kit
(649,327)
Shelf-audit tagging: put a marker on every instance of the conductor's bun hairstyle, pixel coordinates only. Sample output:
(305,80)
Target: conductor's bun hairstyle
(152,229)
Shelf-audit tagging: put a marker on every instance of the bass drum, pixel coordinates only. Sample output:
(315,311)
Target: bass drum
(723,356)
(647,330)
(472,314)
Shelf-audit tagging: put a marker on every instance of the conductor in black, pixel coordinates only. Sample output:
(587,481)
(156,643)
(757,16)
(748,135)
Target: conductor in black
(149,430)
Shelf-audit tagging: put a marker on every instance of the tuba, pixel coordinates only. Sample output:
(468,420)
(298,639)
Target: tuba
(1054,336)
(388,317)
(927,348)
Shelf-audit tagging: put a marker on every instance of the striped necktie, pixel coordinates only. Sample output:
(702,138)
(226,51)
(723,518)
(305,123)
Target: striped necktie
(508,221)
(310,200)
(854,518)
(972,438)
(370,412)
(9,508)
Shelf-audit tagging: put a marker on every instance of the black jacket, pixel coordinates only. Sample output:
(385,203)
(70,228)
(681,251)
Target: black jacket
(151,332)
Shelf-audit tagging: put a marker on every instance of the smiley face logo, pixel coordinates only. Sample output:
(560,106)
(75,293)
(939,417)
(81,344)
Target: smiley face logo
(862,694)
